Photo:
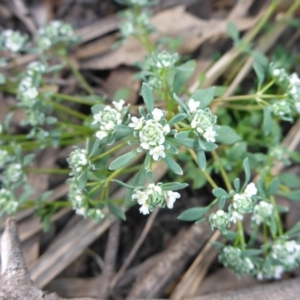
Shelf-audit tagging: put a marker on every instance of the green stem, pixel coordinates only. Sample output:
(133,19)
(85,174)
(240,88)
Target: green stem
(241,107)
(222,170)
(241,234)
(277,216)
(266,87)
(108,152)
(78,75)
(73,99)
(68,110)
(206,175)
(47,170)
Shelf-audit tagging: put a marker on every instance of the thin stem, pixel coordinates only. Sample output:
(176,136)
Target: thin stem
(277,216)
(78,75)
(242,107)
(74,99)
(241,234)
(68,110)
(206,175)
(108,152)
(47,170)
(222,170)
(267,86)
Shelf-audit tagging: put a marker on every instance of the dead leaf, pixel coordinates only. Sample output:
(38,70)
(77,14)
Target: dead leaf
(191,29)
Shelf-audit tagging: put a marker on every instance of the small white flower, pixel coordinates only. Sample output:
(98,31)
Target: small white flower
(294,79)
(292,246)
(171,198)
(154,188)
(235,215)
(193,105)
(157,152)
(250,190)
(166,129)
(210,134)
(119,105)
(276,72)
(278,271)
(137,123)
(157,114)
(297,104)
(101,134)
(144,209)
(31,93)
(140,196)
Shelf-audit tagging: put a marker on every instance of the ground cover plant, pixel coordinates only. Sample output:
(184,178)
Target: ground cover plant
(231,143)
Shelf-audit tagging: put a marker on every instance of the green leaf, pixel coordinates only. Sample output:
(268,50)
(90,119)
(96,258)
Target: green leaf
(122,94)
(182,135)
(138,180)
(205,96)
(187,142)
(260,72)
(123,184)
(173,165)
(222,201)
(122,160)
(293,230)
(177,119)
(2,79)
(28,159)
(247,170)
(193,214)
(123,129)
(219,192)
(147,161)
(273,187)
(182,75)
(237,184)
(251,252)
(292,195)
(180,102)
(201,159)
(226,135)
(173,186)
(97,108)
(93,149)
(148,97)
(115,210)
(289,179)
(233,32)
(267,123)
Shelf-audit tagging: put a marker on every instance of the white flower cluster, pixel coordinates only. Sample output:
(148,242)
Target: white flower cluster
(5,158)
(154,196)
(135,25)
(262,211)
(78,161)
(80,203)
(8,202)
(284,108)
(54,33)
(108,118)
(220,220)
(152,133)
(12,41)
(202,121)
(294,90)
(243,202)
(13,173)
(284,256)
(163,60)
(232,258)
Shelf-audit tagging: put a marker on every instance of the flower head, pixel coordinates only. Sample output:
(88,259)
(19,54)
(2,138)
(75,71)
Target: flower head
(154,196)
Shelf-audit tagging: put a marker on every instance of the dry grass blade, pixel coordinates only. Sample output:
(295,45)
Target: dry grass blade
(289,289)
